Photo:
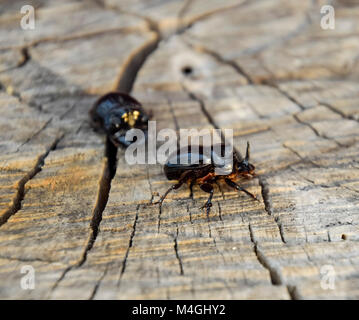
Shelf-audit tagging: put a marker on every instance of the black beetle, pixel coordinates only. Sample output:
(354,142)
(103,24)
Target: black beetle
(115,113)
(203,172)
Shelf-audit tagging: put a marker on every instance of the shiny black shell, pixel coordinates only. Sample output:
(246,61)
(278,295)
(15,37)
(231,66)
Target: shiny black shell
(206,164)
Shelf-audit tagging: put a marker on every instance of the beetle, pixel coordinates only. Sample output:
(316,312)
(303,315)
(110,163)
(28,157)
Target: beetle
(115,113)
(203,172)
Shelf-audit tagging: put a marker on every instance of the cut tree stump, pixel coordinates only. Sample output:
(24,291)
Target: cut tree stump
(265,69)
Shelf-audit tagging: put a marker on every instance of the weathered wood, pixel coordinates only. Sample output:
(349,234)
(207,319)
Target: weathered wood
(263,68)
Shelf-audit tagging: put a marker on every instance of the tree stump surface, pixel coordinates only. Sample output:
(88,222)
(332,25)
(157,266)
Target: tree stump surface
(264,68)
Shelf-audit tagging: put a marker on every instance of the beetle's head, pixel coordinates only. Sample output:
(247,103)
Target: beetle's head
(125,120)
(244,168)
(119,122)
(134,119)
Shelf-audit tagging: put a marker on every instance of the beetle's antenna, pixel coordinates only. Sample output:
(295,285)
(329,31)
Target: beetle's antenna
(246,159)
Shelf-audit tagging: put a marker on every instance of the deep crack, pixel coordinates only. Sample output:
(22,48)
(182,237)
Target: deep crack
(108,173)
(177,253)
(134,62)
(20,193)
(268,204)
(274,274)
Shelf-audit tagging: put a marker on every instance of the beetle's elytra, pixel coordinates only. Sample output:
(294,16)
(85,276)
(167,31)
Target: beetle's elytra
(115,113)
(203,172)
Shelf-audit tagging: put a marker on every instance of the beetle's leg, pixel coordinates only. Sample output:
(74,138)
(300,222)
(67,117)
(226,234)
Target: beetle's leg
(239,188)
(206,178)
(174,187)
(193,181)
(183,179)
(207,187)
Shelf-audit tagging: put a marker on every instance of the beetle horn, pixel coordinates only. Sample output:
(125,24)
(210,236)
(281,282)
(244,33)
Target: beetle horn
(246,159)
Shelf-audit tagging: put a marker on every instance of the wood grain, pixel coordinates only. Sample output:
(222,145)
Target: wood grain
(265,69)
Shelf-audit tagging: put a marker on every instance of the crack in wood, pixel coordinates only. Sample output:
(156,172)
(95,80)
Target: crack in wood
(268,204)
(137,58)
(20,192)
(175,240)
(293,292)
(97,285)
(118,30)
(272,84)
(219,58)
(274,273)
(337,111)
(25,57)
(159,218)
(305,178)
(204,110)
(130,243)
(275,276)
(62,276)
(220,211)
(108,173)
(151,24)
(134,62)
(316,132)
(304,160)
(34,135)
(268,82)
(189,213)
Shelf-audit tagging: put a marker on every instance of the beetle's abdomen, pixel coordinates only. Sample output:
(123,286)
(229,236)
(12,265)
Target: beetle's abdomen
(172,172)
(179,163)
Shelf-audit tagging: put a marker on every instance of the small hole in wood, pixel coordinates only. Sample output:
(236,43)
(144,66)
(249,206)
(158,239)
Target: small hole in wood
(344,237)
(187,70)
